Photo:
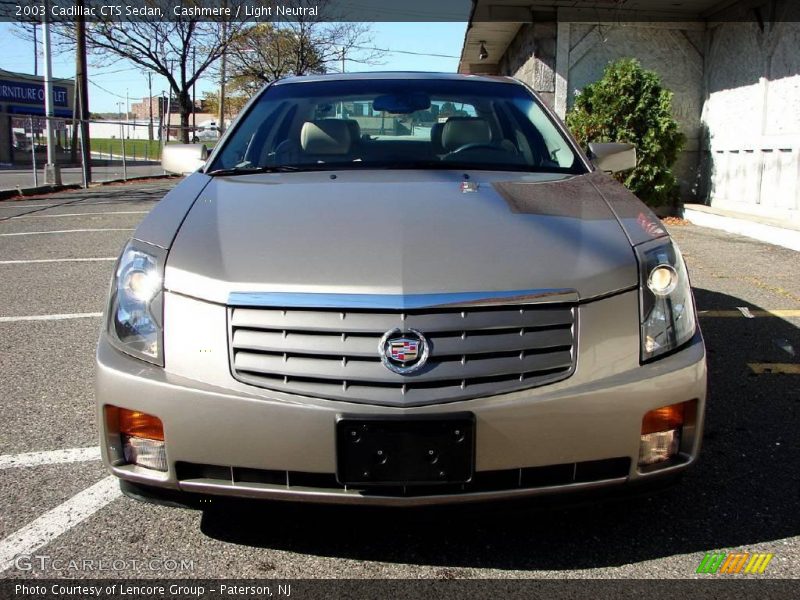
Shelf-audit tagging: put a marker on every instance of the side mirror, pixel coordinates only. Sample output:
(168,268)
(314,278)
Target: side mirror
(183,158)
(613,158)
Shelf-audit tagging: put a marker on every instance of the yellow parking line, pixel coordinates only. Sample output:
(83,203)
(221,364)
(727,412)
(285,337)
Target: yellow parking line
(775,368)
(754,312)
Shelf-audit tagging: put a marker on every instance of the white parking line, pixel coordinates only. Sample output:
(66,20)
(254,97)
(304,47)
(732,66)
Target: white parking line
(55,260)
(62,317)
(49,457)
(137,201)
(58,521)
(109,212)
(59,231)
(15,205)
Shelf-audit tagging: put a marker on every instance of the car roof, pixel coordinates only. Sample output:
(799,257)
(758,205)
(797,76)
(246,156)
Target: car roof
(410,75)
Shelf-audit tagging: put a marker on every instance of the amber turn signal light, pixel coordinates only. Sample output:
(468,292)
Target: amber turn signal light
(137,424)
(664,418)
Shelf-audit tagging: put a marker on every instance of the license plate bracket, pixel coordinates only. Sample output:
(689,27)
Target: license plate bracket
(419,450)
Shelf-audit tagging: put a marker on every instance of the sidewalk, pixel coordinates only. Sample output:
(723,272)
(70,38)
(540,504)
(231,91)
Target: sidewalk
(764,229)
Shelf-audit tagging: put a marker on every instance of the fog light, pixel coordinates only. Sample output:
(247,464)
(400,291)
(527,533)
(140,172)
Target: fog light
(658,447)
(661,433)
(142,437)
(144,453)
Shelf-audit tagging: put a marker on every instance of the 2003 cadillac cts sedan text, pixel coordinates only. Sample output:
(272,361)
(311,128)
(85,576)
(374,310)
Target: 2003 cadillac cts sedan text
(398,289)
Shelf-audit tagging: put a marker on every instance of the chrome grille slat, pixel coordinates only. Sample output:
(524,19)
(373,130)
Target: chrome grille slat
(373,322)
(374,371)
(501,342)
(306,343)
(294,342)
(475,351)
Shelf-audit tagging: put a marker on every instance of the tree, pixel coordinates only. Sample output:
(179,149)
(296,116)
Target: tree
(629,104)
(235,99)
(181,50)
(265,52)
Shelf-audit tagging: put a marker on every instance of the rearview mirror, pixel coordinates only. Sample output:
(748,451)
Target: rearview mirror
(402,104)
(183,158)
(613,158)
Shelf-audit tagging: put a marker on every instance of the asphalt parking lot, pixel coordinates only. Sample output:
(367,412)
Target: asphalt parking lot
(56,501)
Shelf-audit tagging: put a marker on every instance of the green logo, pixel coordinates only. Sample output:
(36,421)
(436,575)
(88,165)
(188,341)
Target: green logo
(737,562)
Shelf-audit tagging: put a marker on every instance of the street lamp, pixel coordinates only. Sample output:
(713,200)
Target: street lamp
(52,172)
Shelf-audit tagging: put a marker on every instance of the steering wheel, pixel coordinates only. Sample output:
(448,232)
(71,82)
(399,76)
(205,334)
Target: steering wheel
(478,146)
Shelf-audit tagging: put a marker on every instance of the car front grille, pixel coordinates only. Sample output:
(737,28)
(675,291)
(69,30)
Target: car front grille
(474,352)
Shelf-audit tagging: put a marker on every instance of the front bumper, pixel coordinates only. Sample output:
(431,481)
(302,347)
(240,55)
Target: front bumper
(226,438)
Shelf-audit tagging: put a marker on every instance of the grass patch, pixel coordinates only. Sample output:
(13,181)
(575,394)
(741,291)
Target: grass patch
(138,149)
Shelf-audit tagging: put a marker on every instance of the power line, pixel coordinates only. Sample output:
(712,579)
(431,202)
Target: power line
(390,51)
(117,71)
(105,90)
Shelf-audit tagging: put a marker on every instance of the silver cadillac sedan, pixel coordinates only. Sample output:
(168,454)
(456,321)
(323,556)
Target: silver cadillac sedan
(398,289)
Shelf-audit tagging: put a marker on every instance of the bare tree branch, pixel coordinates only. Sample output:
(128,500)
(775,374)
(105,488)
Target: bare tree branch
(162,47)
(265,52)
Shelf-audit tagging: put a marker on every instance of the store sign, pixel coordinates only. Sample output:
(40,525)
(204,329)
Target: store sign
(30,93)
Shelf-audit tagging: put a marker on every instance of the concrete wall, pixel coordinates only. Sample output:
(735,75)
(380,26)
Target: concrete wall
(674,53)
(736,92)
(752,117)
(531,57)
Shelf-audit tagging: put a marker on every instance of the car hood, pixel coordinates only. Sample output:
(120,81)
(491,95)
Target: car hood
(400,233)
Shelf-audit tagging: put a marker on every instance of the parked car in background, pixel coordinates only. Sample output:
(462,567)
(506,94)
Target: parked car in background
(353,300)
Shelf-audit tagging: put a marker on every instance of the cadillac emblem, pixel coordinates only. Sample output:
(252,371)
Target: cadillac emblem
(403,351)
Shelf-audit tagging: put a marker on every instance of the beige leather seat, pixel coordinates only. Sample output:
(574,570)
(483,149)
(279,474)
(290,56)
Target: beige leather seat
(460,131)
(326,138)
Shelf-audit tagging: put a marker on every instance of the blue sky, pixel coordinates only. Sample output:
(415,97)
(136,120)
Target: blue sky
(109,82)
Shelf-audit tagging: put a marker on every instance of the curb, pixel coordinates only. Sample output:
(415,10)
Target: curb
(770,234)
(43,190)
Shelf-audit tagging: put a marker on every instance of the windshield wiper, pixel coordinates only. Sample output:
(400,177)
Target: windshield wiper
(251,170)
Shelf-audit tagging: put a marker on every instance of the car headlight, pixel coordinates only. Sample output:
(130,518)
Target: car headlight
(667,312)
(135,308)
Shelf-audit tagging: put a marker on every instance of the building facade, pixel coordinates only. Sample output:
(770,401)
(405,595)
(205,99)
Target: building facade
(22,108)
(733,66)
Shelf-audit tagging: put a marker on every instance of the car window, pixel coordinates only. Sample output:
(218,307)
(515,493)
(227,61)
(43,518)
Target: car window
(398,123)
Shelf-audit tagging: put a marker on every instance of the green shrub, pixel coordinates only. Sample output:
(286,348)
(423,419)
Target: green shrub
(630,105)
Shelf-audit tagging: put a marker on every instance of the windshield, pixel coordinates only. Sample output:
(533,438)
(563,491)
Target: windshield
(397,123)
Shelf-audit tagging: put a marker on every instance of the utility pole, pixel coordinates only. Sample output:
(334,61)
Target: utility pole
(162,103)
(194,106)
(73,147)
(343,51)
(35,51)
(82,83)
(122,141)
(169,112)
(52,173)
(150,104)
(33,153)
(127,114)
(223,64)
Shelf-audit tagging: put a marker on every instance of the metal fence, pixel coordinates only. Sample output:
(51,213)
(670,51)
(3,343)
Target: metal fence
(118,150)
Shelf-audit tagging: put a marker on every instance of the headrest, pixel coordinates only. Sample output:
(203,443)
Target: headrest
(326,136)
(355,129)
(436,138)
(459,131)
